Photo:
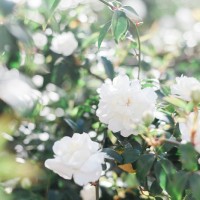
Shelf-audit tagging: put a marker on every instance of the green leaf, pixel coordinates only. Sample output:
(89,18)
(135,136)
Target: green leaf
(113,154)
(144,165)
(178,181)
(130,155)
(194,181)
(71,124)
(163,169)
(119,25)
(131,13)
(7,39)
(109,69)
(155,188)
(176,102)
(188,157)
(168,177)
(54,6)
(104,30)
(90,40)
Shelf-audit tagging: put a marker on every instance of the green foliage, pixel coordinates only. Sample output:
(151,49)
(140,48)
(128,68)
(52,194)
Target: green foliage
(119,25)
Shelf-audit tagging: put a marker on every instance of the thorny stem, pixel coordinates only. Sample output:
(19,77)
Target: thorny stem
(106,3)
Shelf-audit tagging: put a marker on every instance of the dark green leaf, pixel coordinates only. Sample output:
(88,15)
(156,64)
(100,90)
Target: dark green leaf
(108,67)
(144,165)
(155,188)
(119,25)
(188,157)
(194,182)
(130,155)
(113,154)
(72,124)
(104,30)
(163,169)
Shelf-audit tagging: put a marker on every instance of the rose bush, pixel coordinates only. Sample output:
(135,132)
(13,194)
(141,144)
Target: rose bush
(116,102)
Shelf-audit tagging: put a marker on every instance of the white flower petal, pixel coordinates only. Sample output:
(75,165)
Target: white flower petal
(123,103)
(59,168)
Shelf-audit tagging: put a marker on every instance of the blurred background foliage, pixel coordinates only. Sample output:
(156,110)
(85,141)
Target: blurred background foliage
(45,96)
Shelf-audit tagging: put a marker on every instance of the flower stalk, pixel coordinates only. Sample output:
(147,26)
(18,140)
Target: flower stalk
(97,190)
(139,49)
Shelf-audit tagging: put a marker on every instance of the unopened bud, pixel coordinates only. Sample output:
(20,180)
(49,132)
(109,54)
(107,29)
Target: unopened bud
(148,118)
(195,96)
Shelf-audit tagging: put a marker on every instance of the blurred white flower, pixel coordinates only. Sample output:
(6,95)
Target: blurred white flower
(34,4)
(64,44)
(15,90)
(123,104)
(66,4)
(187,130)
(79,157)
(88,192)
(184,87)
(40,40)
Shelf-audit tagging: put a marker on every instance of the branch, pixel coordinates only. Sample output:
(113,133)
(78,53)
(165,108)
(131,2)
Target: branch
(108,4)
(139,48)
(172,142)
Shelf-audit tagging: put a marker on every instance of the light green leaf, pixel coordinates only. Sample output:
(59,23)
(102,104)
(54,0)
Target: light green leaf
(176,102)
(104,30)
(119,25)
(131,14)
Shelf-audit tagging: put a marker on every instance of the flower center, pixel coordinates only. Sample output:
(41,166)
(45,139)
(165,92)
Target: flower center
(128,102)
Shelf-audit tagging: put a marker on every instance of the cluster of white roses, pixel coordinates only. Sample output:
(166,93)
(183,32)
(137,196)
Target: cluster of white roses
(188,89)
(123,105)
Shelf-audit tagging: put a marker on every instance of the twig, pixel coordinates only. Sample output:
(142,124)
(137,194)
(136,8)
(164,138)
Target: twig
(97,190)
(171,142)
(96,76)
(109,5)
(139,49)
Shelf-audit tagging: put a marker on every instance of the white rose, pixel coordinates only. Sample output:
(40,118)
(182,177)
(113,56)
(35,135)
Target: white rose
(79,157)
(88,192)
(123,104)
(186,131)
(64,44)
(184,87)
(40,40)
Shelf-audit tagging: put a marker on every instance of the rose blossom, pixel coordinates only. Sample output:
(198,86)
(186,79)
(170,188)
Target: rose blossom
(79,157)
(186,131)
(64,44)
(123,104)
(184,87)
